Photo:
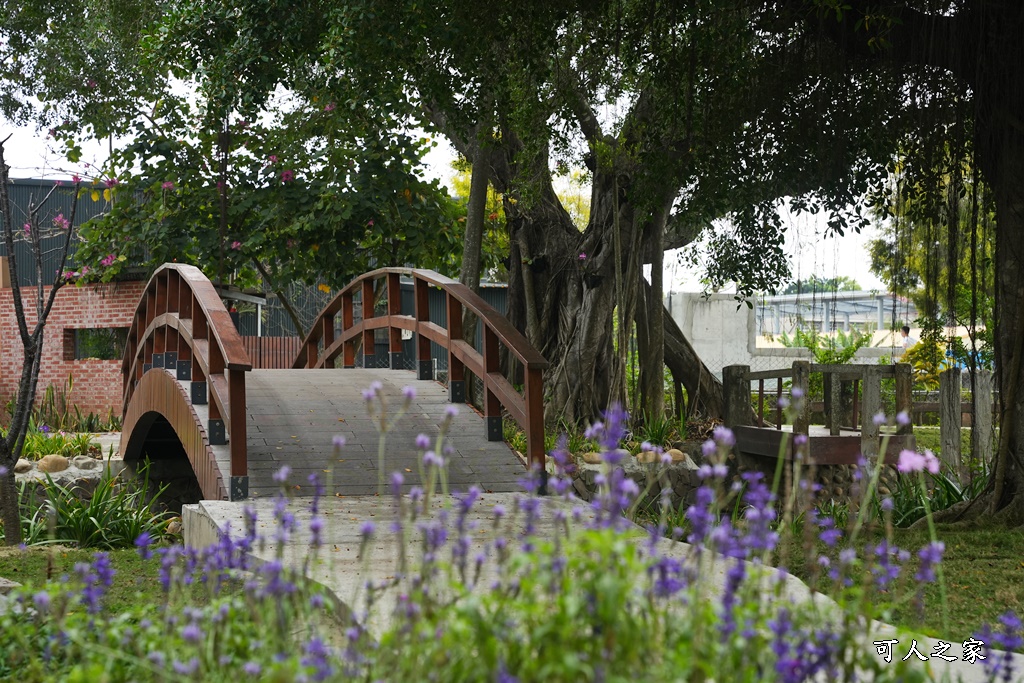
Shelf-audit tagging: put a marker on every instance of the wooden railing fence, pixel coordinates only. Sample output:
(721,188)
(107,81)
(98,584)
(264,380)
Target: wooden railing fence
(323,346)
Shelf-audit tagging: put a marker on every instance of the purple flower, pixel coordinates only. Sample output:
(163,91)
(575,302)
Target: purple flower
(931,556)
(879,419)
(366,530)
(191,633)
(252,668)
(186,668)
(422,442)
(409,392)
(902,418)
(451,411)
(338,441)
(316,527)
(42,601)
(724,437)
(142,544)
(281,476)
(396,483)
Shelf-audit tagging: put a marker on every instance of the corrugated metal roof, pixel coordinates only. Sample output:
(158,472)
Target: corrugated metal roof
(23,193)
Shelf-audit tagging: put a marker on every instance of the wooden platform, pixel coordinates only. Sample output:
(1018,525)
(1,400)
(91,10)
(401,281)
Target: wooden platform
(824,449)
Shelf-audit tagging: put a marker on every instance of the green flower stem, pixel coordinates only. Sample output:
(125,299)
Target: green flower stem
(938,568)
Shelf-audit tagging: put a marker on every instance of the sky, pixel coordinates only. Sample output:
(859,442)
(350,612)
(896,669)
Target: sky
(810,251)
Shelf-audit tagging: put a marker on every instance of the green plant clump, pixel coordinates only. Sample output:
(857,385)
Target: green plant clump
(525,589)
(116,514)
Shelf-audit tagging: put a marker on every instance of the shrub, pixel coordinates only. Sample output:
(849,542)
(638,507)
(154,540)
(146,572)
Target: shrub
(562,592)
(117,513)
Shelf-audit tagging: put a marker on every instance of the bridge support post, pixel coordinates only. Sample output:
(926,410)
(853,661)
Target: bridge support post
(950,417)
(904,396)
(981,421)
(456,369)
(215,430)
(421,301)
(492,406)
(239,489)
(736,395)
(871,405)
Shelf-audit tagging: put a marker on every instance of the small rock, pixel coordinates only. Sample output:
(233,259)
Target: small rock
(647,457)
(52,463)
(679,457)
(620,454)
(85,462)
(23,466)
(592,458)
(174,527)
(6,585)
(884,490)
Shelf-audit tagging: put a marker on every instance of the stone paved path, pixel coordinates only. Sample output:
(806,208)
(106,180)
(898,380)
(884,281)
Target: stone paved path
(294,416)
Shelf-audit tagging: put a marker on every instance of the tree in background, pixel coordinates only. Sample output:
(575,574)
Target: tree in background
(31,326)
(815,283)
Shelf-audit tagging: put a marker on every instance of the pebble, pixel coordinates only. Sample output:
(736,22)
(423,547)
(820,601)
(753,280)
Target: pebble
(52,463)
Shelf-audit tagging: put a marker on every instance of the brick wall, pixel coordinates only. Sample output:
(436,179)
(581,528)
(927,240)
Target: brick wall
(97,383)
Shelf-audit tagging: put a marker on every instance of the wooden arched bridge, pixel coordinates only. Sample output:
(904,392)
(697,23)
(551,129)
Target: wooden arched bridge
(188,381)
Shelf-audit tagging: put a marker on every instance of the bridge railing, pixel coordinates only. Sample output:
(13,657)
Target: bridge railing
(181,325)
(863,380)
(324,345)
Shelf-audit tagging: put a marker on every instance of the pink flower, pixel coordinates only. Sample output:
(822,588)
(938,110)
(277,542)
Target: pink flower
(108,260)
(76,179)
(911,461)
(369,223)
(583,256)
(330,106)
(61,222)
(273,158)
(58,183)
(111,182)
(168,185)
(28,228)
(68,275)
(287,176)
(236,245)
(91,83)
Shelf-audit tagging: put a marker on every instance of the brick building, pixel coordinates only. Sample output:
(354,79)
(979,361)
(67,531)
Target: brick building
(101,311)
(85,331)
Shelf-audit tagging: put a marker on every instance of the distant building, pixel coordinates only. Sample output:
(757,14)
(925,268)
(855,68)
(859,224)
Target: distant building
(826,312)
(85,333)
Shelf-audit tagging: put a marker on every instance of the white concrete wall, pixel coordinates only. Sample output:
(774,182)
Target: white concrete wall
(723,331)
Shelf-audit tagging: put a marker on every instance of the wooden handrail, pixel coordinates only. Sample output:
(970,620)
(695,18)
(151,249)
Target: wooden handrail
(181,325)
(321,347)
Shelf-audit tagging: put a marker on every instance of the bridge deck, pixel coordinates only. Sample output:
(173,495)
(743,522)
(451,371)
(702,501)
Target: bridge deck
(295,414)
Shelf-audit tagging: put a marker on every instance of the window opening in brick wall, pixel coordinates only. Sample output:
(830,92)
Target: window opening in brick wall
(101,343)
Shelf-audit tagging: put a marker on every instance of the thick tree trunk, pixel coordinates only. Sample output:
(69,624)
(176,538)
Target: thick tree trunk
(652,347)
(1008,473)
(472,242)
(9,509)
(703,389)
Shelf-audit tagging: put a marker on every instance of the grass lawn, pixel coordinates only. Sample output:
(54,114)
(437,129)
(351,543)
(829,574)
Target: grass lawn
(984,575)
(136,582)
(983,571)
